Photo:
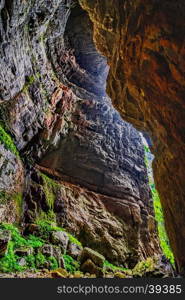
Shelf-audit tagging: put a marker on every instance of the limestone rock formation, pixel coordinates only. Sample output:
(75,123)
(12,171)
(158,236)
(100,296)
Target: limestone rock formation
(144,43)
(54,105)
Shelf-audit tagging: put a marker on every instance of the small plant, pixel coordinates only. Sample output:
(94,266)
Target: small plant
(7,141)
(165,245)
(10,262)
(53,263)
(40,260)
(30,260)
(71,265)
(46,227)
(113,267)
(144,266)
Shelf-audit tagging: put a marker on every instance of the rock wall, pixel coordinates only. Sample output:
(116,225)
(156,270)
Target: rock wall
(143,42)
(54,106)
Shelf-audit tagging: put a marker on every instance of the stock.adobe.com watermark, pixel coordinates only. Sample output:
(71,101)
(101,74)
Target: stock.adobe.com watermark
(110,290)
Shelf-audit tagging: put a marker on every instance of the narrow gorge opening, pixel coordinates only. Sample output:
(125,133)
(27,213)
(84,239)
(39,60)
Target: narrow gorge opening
(104,153)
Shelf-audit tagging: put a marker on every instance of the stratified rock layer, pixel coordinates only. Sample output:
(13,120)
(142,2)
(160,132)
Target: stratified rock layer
(54,105)
(144,43)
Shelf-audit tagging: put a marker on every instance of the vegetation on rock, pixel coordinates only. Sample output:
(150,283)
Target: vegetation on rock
(7,141)
(46,227)
(10,262)
(164,241)
(71,264)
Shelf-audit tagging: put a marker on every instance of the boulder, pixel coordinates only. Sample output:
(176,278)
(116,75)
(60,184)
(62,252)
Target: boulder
(24,251)
(62,272)
(94,256)
(61,239)
(56,274)
(47,250)
(155,267)
(119,275)
(89,267)
(51,250)
(22,262)
(74,250)
(61,262)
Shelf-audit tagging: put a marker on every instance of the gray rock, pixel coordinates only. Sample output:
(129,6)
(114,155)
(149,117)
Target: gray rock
(22,262)
(74,250)
(47,250)
(51,250)
(24,251)
(61,262)
(61,239)
(57,252)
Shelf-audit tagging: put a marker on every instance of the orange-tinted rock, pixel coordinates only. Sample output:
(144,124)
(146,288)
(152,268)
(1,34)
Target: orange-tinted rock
(144,43)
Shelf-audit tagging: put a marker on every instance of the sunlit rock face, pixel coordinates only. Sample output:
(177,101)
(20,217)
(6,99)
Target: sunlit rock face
(144,43)
(54,104)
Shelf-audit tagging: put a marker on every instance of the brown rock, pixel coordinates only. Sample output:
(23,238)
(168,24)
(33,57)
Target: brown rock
(89,267)
(143,43)
(94,256)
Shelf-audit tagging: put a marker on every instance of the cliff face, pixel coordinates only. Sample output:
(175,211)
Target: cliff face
(143,42)
(54,106)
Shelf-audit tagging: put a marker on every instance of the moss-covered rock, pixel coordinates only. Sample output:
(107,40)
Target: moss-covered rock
(94,256)
(90,267)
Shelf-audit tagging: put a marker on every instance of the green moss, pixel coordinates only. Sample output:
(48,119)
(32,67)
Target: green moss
(30,260)
(16,198)
(71,265)
(73,239)
(29,80)
(144,266)
(53,263)
(164,241)
(18,240)
(46,227)
(48,216)
(4,197)
(7,141)
(113,267)
(50,188)
(40,260)
(9,263)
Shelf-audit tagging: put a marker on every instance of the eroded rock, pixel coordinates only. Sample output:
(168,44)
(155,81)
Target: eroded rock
(94,256)
(143,43)
(61,239)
